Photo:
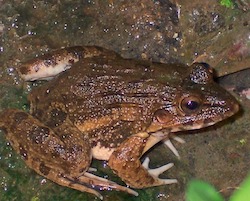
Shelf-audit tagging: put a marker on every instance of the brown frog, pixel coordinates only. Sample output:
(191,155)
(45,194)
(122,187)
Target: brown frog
(109,108)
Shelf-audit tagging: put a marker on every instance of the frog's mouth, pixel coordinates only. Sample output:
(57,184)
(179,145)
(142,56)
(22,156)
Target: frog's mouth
(173,122)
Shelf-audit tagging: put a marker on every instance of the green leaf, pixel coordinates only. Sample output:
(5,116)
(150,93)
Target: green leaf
(227,3)
(243,193)
(35,198)
(201,191)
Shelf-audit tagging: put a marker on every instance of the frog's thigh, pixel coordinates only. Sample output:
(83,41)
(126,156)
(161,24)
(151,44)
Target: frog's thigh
(126,164)
(41,148)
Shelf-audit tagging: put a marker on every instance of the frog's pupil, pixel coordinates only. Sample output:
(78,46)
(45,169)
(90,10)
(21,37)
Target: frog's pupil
(192,105)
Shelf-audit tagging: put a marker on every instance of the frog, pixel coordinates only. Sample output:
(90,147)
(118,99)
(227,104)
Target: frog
(96,104)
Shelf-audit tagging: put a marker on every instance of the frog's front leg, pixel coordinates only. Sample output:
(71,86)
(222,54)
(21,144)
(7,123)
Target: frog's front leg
(126,164)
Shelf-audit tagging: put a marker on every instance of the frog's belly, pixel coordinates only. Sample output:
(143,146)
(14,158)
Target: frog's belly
(101,153)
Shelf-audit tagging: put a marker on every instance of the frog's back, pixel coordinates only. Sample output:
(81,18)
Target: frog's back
(102,81)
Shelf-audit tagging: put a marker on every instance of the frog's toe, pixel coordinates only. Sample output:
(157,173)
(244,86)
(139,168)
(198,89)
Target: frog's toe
(170,145)
(75,184)
(87,179)
(92,169)
(178,139)
(103,184)
(157,171)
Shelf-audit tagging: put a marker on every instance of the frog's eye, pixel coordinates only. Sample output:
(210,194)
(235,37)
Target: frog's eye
(190,104)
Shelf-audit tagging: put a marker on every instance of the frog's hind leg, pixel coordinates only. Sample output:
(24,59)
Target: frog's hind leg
(62,158)
(71,182)
(104,184)
(87,179)
(126,164)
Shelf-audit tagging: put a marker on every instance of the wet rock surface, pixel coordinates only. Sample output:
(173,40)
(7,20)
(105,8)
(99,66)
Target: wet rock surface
(163,31)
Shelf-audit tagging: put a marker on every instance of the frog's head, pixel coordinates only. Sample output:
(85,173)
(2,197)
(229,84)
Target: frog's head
(201,102)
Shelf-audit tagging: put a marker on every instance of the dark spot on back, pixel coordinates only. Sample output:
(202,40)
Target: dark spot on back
(57,117)
(39,134)
(44,169)
(59,150)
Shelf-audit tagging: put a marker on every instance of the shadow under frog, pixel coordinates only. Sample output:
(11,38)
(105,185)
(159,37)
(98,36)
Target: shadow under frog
(109,108)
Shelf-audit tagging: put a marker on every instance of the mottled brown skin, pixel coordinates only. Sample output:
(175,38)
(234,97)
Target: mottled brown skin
(132,168)
(117,105)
